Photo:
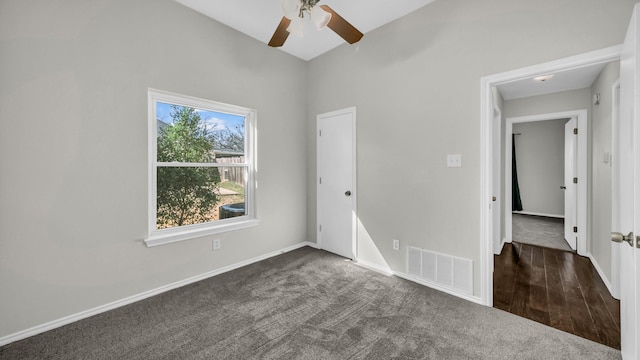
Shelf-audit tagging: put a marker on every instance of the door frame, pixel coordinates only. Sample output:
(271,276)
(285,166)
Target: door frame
(486,153)
(496,199)
(581,116)
(354,178)
(615,248)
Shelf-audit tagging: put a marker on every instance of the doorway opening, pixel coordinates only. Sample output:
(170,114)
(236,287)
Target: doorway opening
(488,157)
(573,210)
(530,257)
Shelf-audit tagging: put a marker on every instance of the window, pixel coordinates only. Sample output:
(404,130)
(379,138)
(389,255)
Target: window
(201,167)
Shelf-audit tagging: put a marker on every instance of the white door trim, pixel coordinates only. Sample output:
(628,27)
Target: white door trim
(486,152)
(496,206)
(581,116)
(615,201)
(354,182)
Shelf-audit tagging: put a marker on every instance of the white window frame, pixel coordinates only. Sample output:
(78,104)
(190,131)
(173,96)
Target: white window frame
(169,235)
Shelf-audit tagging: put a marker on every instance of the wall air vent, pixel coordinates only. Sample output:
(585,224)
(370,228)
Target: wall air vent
(440,269)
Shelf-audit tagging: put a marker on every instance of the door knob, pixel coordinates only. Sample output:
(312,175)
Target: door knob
(563,187)
(619,237)
(347,193)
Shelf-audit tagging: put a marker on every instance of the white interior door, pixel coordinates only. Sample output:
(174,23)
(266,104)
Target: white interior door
(570,188)
(336,182)
(627,186)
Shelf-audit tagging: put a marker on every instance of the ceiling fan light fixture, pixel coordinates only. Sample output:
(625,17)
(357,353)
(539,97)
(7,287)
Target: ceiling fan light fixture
(291,8)
(320,17)
(543,78)
(296,27)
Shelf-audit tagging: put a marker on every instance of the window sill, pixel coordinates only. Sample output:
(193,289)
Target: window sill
(169,237)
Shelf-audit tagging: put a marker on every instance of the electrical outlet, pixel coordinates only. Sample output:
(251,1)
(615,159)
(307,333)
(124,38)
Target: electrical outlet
(216,244)
(396,244)
(454,160)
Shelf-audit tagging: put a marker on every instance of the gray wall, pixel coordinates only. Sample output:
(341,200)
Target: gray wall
(73,145)
(540,164)
(416,85)
(601,116)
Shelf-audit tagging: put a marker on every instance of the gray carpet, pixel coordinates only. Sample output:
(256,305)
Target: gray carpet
(539,230)
(305,304)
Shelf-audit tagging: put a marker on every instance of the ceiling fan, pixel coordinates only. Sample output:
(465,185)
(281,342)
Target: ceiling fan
(322,15)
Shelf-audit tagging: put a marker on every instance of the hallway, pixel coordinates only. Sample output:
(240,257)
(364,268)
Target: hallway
(557,288)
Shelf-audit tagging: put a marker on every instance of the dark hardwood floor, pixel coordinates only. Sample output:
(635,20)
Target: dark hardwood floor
(557,288)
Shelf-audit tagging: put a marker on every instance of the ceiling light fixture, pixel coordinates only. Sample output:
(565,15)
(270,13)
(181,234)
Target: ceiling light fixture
(543,78)
(294,10)
(321,15)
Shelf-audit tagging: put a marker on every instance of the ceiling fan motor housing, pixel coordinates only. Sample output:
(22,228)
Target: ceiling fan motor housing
(310,3)
(307,5)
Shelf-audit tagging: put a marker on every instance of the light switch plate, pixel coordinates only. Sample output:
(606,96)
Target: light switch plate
(454,160)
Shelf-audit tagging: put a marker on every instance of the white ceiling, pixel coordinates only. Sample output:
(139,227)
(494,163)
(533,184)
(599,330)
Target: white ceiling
(572,79)
(260,18)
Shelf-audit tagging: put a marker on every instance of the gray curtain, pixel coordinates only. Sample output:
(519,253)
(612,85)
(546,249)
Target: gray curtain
(516,202)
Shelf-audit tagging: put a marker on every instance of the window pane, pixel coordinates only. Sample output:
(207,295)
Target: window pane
(195,195)
(197,136)
(232,192)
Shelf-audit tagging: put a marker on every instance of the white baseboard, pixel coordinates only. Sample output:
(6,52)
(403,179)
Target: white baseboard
(606,281)
(502,242)
(538,214)
(134,298)
(505,241)
(375,267)
(435,286)
(310,244)
(388,272)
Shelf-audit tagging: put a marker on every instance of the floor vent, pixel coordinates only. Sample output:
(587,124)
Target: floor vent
(443,270)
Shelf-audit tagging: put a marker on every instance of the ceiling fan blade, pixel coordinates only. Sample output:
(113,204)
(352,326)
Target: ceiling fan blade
(342,27)
(281,34)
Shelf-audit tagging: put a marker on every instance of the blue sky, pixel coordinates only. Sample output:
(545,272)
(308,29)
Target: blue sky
(213,120)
